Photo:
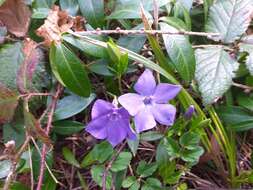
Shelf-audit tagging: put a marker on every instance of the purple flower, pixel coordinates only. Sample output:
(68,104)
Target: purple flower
(151,102)
(189,112)
(110,123)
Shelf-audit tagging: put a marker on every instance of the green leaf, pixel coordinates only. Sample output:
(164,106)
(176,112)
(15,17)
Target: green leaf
(71,105)
(172,147)
(93,11)
(134,144)
(8,104)
(69,70)
(129,181)
(82,181)
(126,9)
(151,136)
(236,118)
(122,161)
(135,186)
(152,184)
(49,183)
(67,127)
(5,168)
(180,52)
(229,18)
(97,175)
(167,170)
(161,152)
(40,13)
(189,140)
(43,3)
(87,48)
(175,22)
(71,6)
(19,186)
(192,155)
(249,63)
(214,72)
(70,157)
(101,152)
(144,169)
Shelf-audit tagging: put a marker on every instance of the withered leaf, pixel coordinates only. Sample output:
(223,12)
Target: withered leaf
(56,23)
(8,104)
(34,128)
(15,15)
(27,68)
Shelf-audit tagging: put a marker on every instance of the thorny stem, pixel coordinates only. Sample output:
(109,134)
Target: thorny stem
(110,165)
(48,127)
(144,32)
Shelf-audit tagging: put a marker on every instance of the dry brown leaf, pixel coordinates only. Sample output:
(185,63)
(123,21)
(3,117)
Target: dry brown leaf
(56,23)
(27,68)
(15,15)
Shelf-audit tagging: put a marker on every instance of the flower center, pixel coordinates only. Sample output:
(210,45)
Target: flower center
(147,100)
(114,115)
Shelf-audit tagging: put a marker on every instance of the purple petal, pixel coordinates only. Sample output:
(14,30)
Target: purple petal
(132,102)
(190,111)
(101,108)
(164,113)
(97,127)
(165,92)
(146,83)
(144,120)
(117,131)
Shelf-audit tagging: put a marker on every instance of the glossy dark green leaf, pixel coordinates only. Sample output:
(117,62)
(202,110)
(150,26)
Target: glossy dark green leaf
(144,169)
(189,140)
(245,100)
(152,184)
(173,148)
(71,6)
(121,162)
(134,144)
(151,136)
(93,11)
(87,48)
(70,157)
(71,105)
(136,186)
(19,186)
(69,70)
(101,67)
(67,127)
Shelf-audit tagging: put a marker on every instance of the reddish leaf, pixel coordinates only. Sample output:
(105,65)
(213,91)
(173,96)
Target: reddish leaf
(15,15)
(27,68)
(8,104)
(34,128)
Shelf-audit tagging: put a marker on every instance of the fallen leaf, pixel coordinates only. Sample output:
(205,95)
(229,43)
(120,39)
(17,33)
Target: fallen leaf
(8,104)
(27,68)
(15,15)
(57,22)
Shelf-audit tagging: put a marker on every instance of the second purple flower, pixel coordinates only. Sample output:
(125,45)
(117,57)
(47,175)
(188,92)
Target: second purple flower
(150,104)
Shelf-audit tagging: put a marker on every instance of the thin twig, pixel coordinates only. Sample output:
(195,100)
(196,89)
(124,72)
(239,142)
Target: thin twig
(14,163)
(144,32)
(242,86)
(48,127)
(29,95)
(110,165)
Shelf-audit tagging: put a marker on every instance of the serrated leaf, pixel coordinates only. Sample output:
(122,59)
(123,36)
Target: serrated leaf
(144,169)
(97,175)
(189,140)
(214,72)
(192,155)
(121,162)
(151,136)
(180,52)
(93,11)
(230,18)
(70,157)
(69,70)
(8,104)
(129,181)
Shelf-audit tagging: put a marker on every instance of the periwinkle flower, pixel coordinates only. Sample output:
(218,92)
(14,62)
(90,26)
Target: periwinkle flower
(189,112)
(150,105)
(110,122)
